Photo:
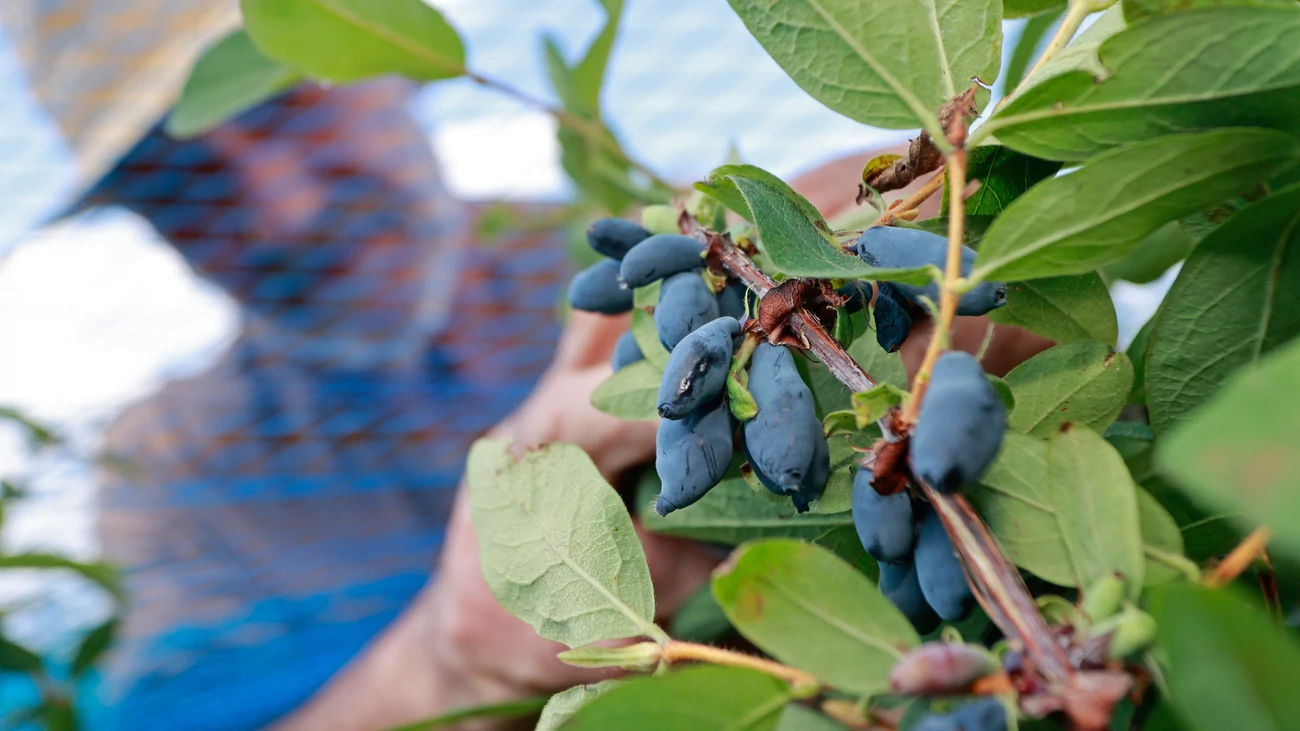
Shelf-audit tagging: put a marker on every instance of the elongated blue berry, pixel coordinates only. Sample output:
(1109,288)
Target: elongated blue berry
(763,479)
(685,305)
(692,455)
(779,437)
(614,237)
(985,714)
(893,320)
(626,351)
(905,248)
(697,369)
(819,470)
(598,289)
(959,429)
(884,522)
(939,572)
(899,585)
(660,256)
(731,300)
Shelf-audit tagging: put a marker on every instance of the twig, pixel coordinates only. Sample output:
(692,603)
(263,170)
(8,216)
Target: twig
(913,201)
(1241,557)
(591,129)
(1074,17)
(996,581)
(677,650)
(952,269)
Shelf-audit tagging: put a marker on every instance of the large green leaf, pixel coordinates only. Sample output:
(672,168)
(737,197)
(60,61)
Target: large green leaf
(809,608)
(1241,450)
(230,77)
(1100,212)
(630,393)
(1064,309)
(1135,10)
(562,706)
(1082,383)
(1003,175)
(455,719)
(800,718)
(722,178)
(589,72)
(1162,541)
(732,513)
(1064,509)
(799,247)
(1165,247)
(1227,665)
(1081,53)
(708,698)
(890,63)
(1236,298)
(1026,8)
(1031,37)
(349,40)
(557,545)
(92,647)
(1213,67)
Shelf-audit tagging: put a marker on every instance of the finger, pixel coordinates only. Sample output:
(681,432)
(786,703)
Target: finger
(588,339)
(1010,346)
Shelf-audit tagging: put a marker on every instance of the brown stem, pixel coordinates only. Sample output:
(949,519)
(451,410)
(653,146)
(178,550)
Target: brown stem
(913,201)
(951,273)
(677,650)
(1241,557)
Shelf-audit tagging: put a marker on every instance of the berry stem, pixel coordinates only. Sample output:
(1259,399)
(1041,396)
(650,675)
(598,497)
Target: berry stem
(913,201)
(676,651)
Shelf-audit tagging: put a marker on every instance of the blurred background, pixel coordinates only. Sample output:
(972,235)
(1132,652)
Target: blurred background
(186,327)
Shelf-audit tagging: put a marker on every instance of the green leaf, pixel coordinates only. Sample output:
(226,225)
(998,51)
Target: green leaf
(1027,8)
(230,77)
(589,73)
(15,658)
(1162,541)
(1241,450)
(837,498)
(889,64)
(1236,298)
(724,176)
(562,706)
(1064,309)
(1003,174)
(647,336)
(1227,665)
(1082,383)
(1165,247)
(1003,389)
(808,608)
(875,402)
(350,40)
(1216,67)
(845,543)
(1064,509)
(639,656)
(881,366)
(557,546)
(699,619)
(800,248)
(104,574)
(630,393)
(799,718)
(828,393)
(1031,37)
(512,709)
(93,646)
(708,698)
(1135,10)
(732,513)
(1081,53)
(1100,212)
